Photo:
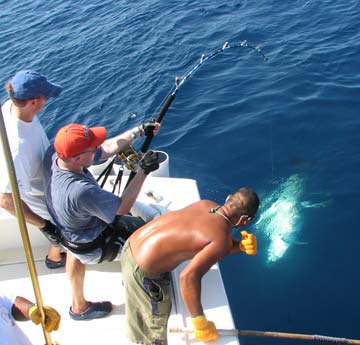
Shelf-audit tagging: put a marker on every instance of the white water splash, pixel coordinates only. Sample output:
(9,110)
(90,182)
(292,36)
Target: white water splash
(279,216)
(308,204)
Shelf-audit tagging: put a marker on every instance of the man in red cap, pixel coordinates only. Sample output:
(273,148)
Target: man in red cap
(93,222)
(28,92)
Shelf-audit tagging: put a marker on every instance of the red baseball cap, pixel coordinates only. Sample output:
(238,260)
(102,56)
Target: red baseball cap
(72,139)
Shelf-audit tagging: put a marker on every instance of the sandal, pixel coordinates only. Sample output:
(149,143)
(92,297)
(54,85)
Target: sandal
(95,310)
(56,264)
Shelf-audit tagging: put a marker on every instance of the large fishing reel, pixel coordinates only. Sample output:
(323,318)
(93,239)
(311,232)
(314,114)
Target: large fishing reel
(130,158)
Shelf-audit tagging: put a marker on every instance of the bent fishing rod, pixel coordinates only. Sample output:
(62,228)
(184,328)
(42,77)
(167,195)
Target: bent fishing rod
(179,82)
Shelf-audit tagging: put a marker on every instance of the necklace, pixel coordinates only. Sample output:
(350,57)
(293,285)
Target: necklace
(216,210)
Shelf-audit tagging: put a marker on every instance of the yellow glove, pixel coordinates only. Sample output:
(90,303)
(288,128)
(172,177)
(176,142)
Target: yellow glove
(52,317)
(204,330)
(248,243)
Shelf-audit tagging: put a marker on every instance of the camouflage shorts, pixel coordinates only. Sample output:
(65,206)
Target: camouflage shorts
(147,302)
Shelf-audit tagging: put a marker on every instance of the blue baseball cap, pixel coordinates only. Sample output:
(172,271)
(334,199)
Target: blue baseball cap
(30,84)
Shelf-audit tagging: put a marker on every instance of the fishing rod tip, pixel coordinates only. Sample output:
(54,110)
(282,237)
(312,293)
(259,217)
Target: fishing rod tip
(178,80)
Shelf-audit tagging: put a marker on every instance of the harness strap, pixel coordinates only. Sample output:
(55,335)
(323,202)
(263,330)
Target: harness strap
(117,233)
(112,243)
(83,248)
(111,238)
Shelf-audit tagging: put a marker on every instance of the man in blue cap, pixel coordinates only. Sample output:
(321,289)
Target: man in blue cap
(28,92)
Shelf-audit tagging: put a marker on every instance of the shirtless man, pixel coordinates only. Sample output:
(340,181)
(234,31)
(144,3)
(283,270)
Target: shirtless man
(201,233)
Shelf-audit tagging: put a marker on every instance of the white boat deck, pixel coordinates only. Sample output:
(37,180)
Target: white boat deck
(104,281)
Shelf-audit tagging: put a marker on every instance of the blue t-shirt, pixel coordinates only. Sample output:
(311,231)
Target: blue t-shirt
(79,207)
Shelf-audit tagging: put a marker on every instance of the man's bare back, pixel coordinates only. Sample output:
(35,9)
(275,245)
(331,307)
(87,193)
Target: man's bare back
(199,233)
(164,243)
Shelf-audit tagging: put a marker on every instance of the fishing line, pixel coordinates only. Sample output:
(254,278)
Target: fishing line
(179,81)
(271,149)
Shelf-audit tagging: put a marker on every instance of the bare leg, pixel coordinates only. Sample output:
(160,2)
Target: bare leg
(7,203)
(76,273)
(54,253)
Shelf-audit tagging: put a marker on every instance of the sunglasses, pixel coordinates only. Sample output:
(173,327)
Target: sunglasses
(93,150)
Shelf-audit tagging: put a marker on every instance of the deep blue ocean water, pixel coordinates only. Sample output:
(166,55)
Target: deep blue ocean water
(287,127)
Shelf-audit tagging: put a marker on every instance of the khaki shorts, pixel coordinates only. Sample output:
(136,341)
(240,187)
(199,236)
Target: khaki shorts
(147,301)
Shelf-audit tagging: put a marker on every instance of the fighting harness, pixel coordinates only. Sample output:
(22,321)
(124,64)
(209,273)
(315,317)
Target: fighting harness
(110,239)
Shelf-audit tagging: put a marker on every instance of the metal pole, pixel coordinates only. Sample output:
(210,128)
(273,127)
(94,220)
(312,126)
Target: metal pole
(22,224)
(246,333)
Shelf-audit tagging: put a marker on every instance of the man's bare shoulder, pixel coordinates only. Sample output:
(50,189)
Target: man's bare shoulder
(200,205)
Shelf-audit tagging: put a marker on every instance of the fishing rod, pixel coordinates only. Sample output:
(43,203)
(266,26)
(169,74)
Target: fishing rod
(180,81)
(246,333)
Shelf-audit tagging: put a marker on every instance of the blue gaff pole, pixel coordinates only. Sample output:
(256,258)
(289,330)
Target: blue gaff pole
(179,81)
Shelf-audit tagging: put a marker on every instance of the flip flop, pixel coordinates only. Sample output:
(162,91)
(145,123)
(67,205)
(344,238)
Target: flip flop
(95,310)
(56,264)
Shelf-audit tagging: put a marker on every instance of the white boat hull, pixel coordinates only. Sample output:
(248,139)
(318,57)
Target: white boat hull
(104,281)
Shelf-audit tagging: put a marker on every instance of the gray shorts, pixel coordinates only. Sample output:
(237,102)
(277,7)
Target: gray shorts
(147,301)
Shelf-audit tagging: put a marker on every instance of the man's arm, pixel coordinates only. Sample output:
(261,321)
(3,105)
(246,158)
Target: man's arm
(131,192)
(23,310)
(235,249)
(191,275)
(20,309)
(7,203)
(116,144)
